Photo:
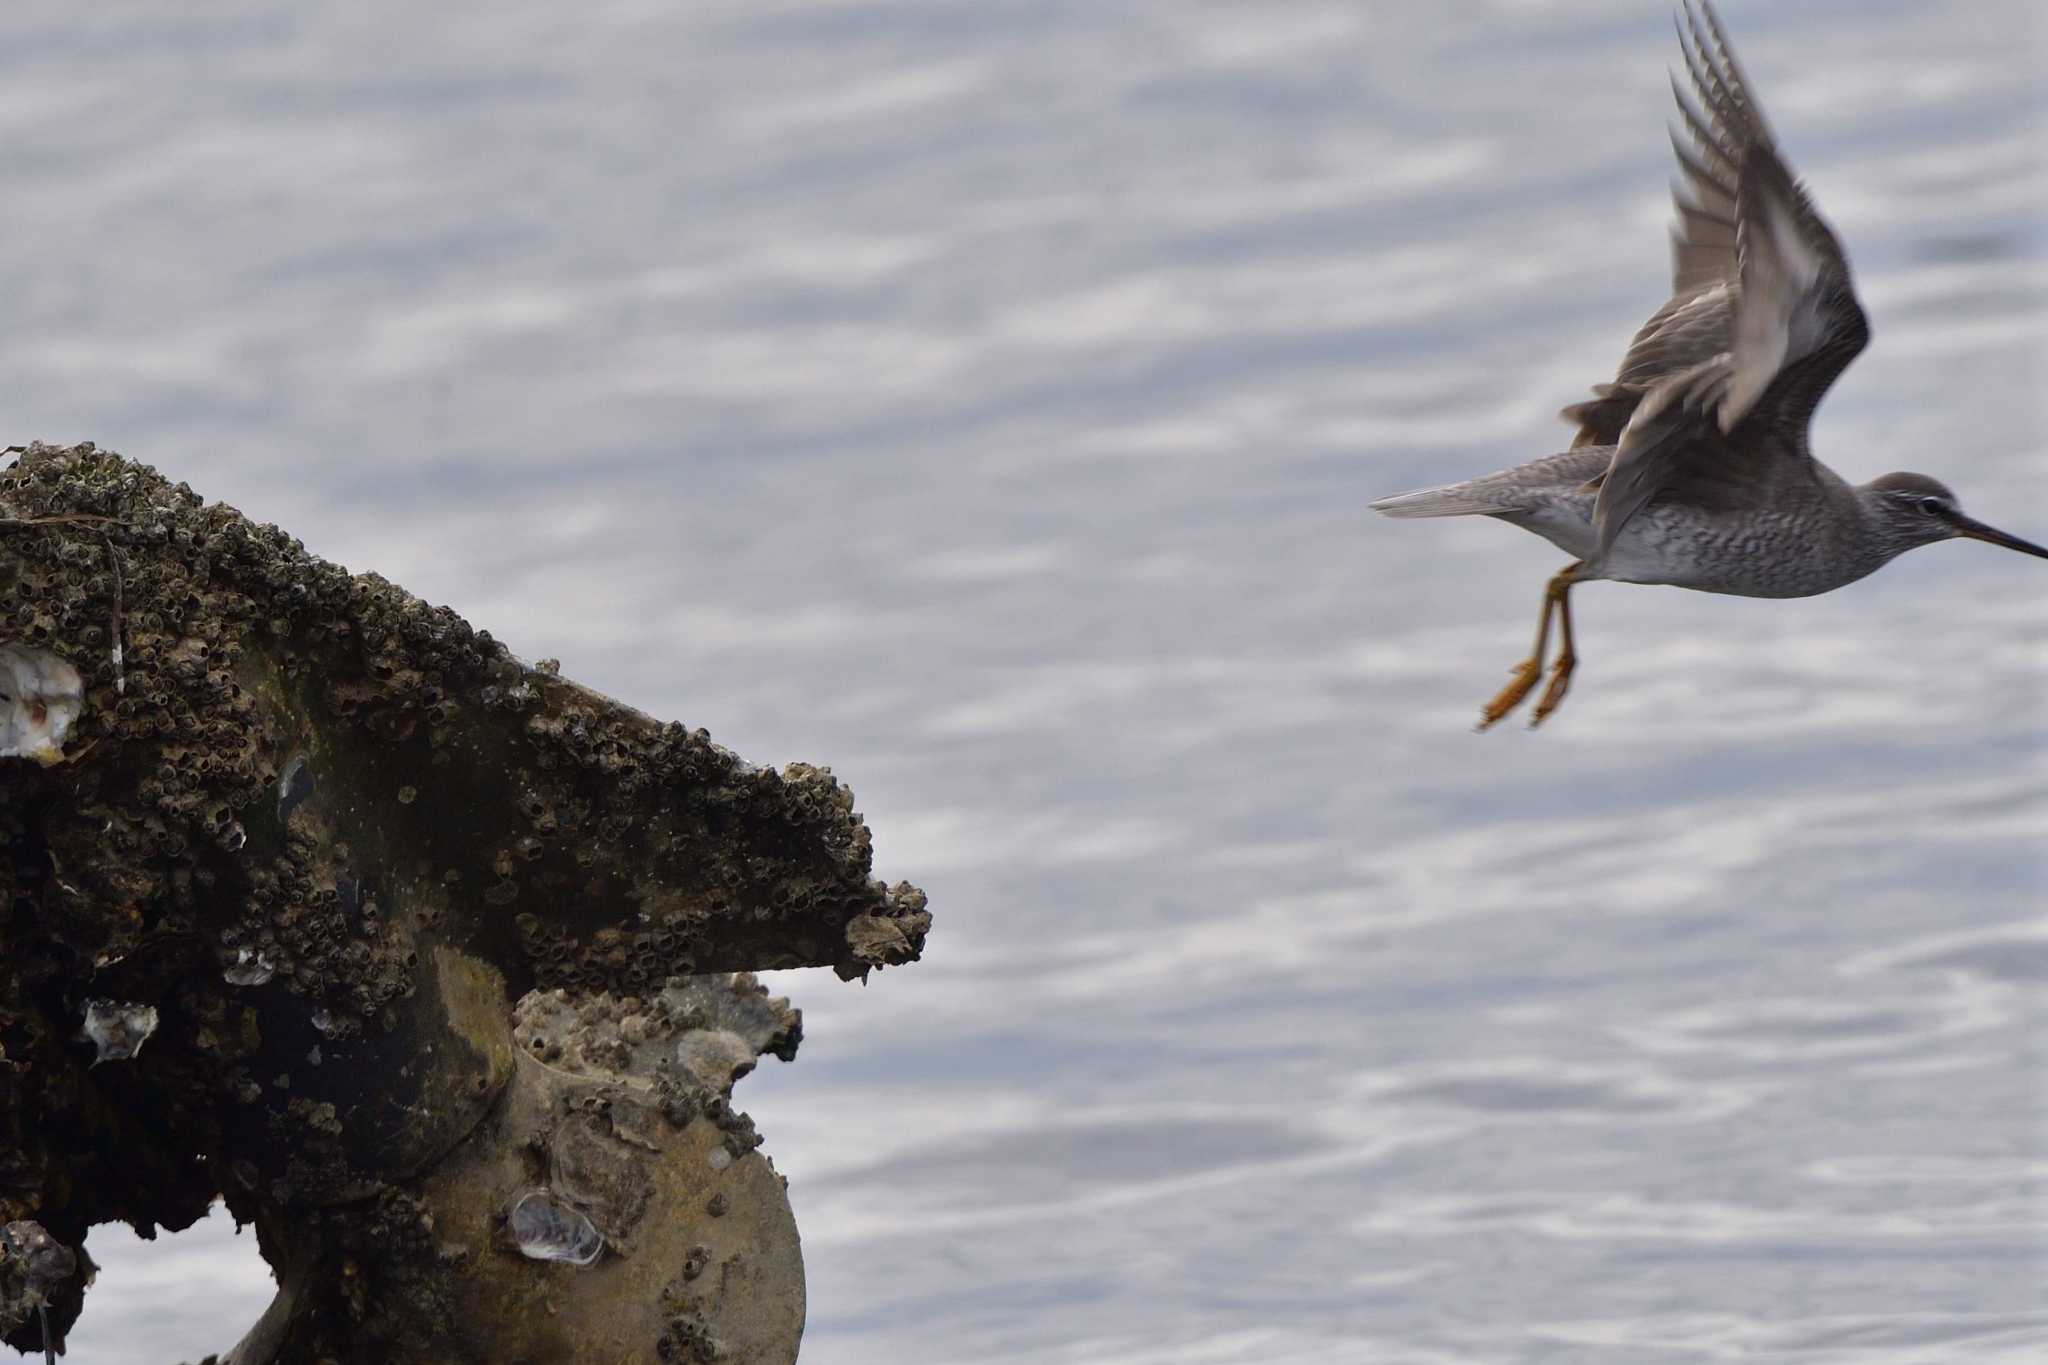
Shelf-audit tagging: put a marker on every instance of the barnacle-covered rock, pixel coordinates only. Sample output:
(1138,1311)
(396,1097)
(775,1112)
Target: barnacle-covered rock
(33,1266)
(615,1171)
(312,838)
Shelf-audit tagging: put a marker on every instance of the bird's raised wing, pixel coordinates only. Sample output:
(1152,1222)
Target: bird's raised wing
(1761,319)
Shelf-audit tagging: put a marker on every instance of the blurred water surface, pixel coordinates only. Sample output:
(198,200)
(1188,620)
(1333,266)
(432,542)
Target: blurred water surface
(982,399)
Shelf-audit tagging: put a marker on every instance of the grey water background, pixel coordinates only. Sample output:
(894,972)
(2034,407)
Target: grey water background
(982,398)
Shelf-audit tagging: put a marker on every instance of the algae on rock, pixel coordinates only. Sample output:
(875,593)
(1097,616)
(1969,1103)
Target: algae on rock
(336,844)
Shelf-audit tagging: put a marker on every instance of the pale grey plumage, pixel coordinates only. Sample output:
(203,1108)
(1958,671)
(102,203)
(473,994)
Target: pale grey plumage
(1692,467)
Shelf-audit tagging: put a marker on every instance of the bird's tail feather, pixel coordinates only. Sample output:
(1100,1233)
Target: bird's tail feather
(1452,500)
(1524,488)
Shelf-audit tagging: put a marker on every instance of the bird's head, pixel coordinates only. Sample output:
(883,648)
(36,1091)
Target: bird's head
(1915,510)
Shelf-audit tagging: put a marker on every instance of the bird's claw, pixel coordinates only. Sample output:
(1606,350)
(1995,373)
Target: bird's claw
(1519,682)
(1560,683)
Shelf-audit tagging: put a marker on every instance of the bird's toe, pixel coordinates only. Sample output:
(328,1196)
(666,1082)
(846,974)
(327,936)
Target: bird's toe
(1508,698)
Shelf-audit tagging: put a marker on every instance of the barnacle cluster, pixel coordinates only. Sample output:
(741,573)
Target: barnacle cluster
(688,1043)
(33,1265)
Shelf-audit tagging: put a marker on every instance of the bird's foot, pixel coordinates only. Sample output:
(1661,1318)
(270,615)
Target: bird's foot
(1560,683)
(1525,675)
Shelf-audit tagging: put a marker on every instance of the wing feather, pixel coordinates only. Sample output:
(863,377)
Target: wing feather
(1762,315)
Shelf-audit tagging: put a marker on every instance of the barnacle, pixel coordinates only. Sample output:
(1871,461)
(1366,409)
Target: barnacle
(250,968)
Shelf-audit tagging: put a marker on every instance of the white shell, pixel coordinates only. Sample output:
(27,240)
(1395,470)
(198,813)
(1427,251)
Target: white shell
(40,697)
(546,1229)
(118,1028)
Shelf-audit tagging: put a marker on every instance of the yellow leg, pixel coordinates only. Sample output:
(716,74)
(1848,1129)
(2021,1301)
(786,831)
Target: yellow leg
(1530,669)
(1567,655)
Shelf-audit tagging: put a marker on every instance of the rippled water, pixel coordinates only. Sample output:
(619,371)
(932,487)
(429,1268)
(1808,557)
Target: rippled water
(982,399)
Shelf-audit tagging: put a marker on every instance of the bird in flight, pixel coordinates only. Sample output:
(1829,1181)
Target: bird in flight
(1692,468)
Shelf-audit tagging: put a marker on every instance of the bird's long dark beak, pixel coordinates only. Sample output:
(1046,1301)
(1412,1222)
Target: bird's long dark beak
(1977,530)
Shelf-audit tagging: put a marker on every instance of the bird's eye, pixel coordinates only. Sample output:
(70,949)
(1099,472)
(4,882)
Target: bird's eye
(1933,506)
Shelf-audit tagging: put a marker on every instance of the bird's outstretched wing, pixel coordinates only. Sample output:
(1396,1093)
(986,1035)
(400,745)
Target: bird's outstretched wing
(1724,377)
